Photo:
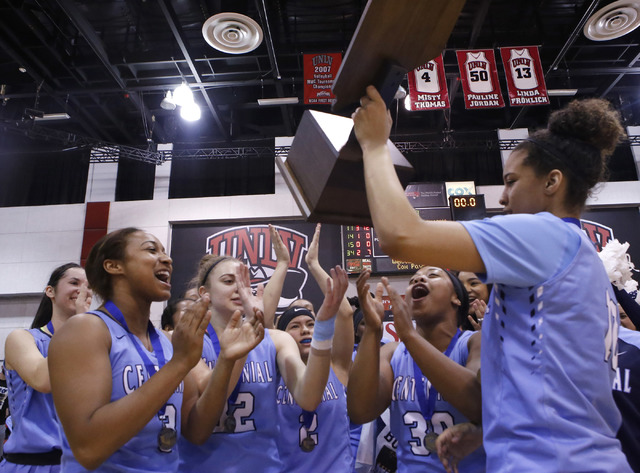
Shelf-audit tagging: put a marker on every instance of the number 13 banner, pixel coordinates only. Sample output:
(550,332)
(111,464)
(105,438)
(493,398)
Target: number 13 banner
(525,79)
(479,79)
(428,86)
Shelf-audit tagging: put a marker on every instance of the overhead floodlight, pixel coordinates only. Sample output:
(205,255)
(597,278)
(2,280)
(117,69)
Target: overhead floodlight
(182,95)
(190,112)
(167,102)
(278,101)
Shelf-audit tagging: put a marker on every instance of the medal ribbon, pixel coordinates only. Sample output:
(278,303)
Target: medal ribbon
(427,406)
(216,347)
(155,343)
(575,221)
(50,327)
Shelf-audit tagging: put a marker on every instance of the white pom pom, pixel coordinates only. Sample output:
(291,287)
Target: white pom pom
(618,265)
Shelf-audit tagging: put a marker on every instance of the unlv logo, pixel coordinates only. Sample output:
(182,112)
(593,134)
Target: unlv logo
(252,244)
(597,233)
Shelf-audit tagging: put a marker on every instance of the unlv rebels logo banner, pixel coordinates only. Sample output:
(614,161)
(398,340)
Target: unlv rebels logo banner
(428,86)
(251,243)
(525,79)
(479,78)
(319,72)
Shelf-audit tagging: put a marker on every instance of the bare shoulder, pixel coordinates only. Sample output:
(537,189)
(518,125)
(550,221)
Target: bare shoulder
(82,330)
(387,350)
(280,338)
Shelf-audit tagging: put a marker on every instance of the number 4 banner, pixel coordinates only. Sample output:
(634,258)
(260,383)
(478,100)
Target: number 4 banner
(525,79)
(479,78)
(428,86)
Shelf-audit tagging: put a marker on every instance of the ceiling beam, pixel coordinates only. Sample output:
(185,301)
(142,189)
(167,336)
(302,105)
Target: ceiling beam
(176,29)
(95,43)
(275,71)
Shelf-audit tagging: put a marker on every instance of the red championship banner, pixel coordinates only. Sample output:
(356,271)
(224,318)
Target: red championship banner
(319,72)
(479,79)
(428,86)
(525,79)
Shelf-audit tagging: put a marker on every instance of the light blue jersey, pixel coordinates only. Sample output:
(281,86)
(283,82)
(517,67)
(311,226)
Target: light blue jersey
(245,438)
(327,427)
(549,349)
(408,423)
(141,453)
(34,422)
(626,392)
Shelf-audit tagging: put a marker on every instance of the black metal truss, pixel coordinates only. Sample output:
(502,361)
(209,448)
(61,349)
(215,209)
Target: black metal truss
(104,152)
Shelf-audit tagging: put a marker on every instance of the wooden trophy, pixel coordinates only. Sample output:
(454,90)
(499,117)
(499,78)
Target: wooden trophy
(324,168)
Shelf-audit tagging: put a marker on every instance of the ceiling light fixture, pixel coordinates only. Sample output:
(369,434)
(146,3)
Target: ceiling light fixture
(52,117)
(190,112)
(278,101)
(562,92)
(167,102)
(182,95)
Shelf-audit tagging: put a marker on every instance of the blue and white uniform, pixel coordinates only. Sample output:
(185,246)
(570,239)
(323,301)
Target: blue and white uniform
(327,426)
(34,423)
(251,446)
(141,453)
(548,348)
(626,392)
(408,423)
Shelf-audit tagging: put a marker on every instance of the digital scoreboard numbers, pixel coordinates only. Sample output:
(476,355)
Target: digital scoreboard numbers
(467,207)
(358,247)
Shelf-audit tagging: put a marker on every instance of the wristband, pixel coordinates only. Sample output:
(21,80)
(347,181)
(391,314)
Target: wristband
(322,338)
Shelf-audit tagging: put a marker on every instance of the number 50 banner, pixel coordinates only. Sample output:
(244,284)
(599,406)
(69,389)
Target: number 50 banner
(428,86)
(479,79)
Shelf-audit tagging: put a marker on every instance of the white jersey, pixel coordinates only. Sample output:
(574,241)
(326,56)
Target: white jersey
(478,73)
(522,69)
(427,80)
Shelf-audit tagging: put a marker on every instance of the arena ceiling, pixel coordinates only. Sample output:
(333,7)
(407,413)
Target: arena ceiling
(109,63)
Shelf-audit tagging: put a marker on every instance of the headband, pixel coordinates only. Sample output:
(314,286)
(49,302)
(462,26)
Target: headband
(206,274)
(290,314)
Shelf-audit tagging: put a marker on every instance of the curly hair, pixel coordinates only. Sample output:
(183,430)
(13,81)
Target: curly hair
(578,141)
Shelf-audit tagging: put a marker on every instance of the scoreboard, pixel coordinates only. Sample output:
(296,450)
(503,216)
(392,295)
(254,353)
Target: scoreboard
(361,247)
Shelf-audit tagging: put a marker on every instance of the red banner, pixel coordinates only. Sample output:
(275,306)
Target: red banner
(479,79)
(525,79)
(428,86)
(320,70)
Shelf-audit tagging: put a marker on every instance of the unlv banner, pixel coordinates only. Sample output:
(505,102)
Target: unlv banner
(479,78)
(251,243)
(428,86)
(319,72)
(525,79)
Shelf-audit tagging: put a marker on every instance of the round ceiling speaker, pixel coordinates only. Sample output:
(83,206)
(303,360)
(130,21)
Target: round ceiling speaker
(232,33)
(615,20)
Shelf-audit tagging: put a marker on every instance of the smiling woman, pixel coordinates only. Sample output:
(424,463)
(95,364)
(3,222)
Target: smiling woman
(34,437)
(122,392)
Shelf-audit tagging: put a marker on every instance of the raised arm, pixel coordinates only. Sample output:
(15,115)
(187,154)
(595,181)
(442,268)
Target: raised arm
(307,383)
(81,382)
(23,356)
(459,385)
(202,413)
(273,289)
(342,348)
(402,233)
(371,377)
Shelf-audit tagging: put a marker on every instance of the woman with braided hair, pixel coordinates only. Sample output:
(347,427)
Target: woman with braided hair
(549,338)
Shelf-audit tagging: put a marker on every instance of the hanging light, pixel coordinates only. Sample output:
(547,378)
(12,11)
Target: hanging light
(190,112)
(167,102)
(182,95)
(407,102)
